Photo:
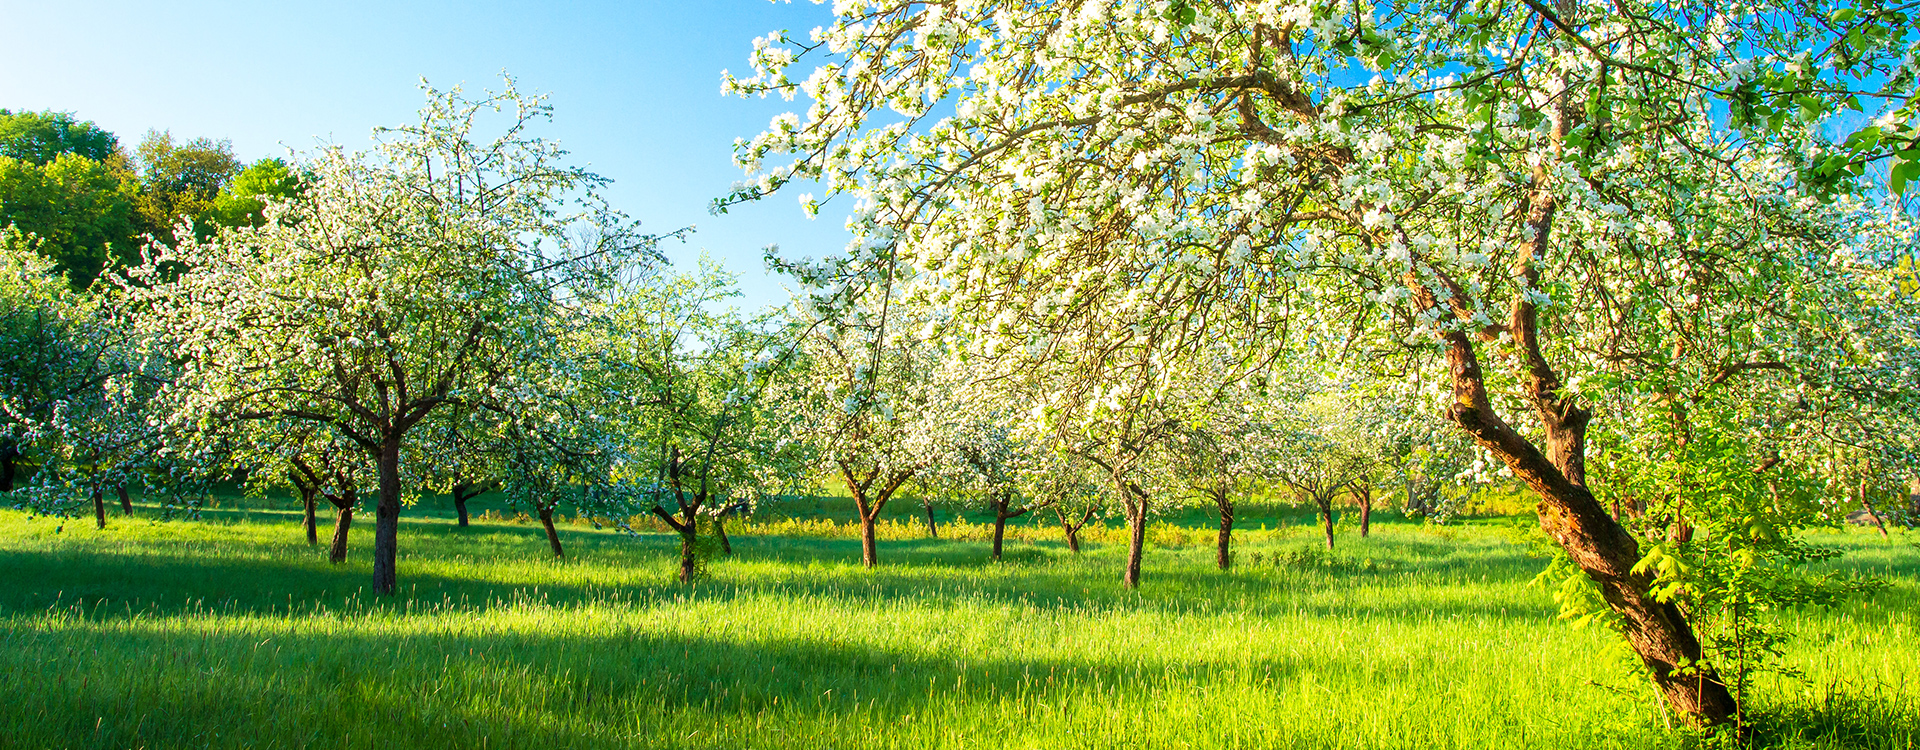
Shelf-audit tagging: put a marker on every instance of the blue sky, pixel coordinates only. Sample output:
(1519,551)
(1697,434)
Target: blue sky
(635,87)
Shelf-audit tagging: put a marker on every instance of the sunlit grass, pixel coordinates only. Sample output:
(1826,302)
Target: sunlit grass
(232,632)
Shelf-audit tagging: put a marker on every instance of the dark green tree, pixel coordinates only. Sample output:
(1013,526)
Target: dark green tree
(40,137)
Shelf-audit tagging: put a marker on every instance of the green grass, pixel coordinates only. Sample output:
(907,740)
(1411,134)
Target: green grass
(232,632)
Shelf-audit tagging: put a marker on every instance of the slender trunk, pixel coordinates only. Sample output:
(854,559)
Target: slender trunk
(553,537)
(720,532)
(460,506)
(386,528)
(338,552)
(306,501)
(99,508)
(1366,510)
(7,454)
(126,503)
(933,531)
(1224,557)
(1072,529)
(1326,518)
(999,524)
(1871,513)
(1136,541)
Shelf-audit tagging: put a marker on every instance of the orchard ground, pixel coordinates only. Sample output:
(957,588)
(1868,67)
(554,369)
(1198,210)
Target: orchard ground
(230,631)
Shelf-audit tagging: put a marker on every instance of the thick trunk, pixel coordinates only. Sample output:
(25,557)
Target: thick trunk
(689,550)
(933,531)
(1866,504)
(1224,555)
(338,552)
(1326,519)
(126,503)
(460,506)
(306,501)
(553,536)
(869,552)
(386,528)
(99,508)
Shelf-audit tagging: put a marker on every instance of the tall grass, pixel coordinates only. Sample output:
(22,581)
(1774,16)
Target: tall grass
(232,632)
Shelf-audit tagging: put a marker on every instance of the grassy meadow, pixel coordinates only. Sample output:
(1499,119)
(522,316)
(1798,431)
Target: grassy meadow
(230,631)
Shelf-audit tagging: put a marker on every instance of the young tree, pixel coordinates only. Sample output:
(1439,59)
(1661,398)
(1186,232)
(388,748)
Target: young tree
(1512,189)
(416,275)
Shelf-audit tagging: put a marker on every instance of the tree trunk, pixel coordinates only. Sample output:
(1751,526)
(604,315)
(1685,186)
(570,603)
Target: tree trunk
(99,508)
(306,500)
(386,528)
(999,524)
(338,552)
(689,549)
(1871,513)
(126,503)
(553,537)
(460,506)
(933,531)
(7,454)
(1072,529)
(1326,518)
(1136,541)
(869,551)
(1224,555)
(720,532)
(1366,510)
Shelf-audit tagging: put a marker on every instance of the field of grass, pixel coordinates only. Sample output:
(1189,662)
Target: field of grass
(230,631)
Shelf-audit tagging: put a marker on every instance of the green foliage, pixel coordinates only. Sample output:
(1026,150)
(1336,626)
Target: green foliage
(244,200)
(40,137)
(80,209)
(182,181)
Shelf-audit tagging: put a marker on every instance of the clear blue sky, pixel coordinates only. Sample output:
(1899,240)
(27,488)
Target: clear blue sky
(635,88)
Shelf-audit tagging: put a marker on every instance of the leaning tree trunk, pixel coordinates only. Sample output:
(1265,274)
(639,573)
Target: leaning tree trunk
(126,503)
(99,508)
(337,553)
(1224,555)
(933,531)
(1867,505)
(306,501)
(1657,631)
(720,533)
(460,506)
(386,529)
(553,536)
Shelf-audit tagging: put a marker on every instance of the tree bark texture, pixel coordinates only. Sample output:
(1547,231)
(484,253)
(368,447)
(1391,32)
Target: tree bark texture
(1224,554)
(1326,518)
(933,530)
(460,508)
(553,536)
(306,503)
(1867,505)
(99,508)
(1365,496)
(386,528)
(1136,543)
(7,455)
(126,503)
(720,532)
(1072,528)
(337,553)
